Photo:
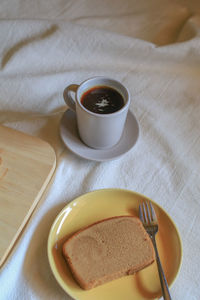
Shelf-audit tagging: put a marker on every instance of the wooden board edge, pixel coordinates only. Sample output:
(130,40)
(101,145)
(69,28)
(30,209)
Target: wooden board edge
(4,258)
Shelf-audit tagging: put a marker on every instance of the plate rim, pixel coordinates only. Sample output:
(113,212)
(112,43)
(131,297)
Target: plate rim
(65,287)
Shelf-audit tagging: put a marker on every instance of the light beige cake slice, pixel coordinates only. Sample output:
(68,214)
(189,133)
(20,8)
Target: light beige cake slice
(107,250)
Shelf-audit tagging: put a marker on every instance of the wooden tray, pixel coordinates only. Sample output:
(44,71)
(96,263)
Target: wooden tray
(26,166)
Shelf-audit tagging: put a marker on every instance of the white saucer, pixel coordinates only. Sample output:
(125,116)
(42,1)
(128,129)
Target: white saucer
(71,139)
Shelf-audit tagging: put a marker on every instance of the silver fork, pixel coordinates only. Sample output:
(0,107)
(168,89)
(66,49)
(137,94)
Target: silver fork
(150,223)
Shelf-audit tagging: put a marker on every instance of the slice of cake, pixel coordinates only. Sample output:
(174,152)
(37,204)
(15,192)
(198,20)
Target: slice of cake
(107,250)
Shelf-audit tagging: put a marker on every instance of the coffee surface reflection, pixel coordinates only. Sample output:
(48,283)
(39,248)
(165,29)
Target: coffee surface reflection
(102,100)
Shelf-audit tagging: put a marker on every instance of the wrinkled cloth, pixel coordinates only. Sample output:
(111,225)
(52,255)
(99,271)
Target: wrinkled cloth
(153,48)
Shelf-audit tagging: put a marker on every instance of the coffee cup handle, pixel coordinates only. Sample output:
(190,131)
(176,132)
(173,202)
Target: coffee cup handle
(67,95)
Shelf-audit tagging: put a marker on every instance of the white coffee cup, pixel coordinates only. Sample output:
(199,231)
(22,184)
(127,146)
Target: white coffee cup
(96,130)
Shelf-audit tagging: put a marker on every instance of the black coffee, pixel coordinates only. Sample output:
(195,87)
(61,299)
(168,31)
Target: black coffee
(102,100)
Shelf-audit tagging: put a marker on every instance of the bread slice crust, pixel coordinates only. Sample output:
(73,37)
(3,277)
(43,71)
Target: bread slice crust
(108,249)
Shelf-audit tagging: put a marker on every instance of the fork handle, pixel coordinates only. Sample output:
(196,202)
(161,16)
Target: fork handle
(163,281)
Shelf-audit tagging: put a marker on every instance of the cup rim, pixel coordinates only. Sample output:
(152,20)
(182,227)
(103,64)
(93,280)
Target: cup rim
(125,106)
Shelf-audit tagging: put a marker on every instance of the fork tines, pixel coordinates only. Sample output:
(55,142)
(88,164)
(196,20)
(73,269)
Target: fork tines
(147,213)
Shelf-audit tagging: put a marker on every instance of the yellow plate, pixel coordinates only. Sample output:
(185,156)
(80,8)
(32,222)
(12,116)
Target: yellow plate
(101,204)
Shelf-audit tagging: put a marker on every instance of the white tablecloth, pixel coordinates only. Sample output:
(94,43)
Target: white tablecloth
(152,47)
